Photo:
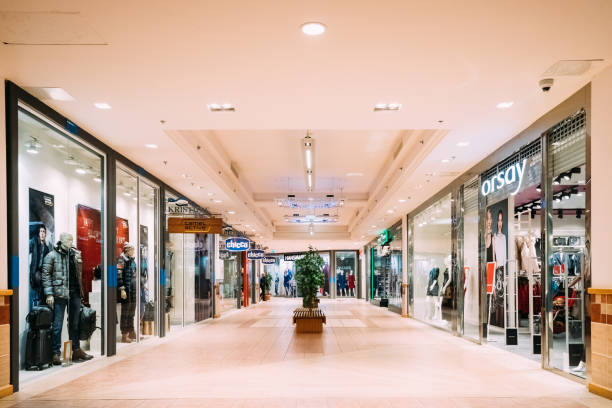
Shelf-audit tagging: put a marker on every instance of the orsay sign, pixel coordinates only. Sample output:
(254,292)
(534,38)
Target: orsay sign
(255,254)
(513,174)
(237,244)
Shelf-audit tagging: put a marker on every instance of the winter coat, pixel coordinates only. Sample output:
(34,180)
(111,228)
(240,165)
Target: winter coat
(126,278)
(56,271)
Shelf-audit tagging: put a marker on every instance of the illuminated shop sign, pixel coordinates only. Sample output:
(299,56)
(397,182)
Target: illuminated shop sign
(269,260)
(513,174)
(293,257)
(237,244)
(255,254)
(384,238)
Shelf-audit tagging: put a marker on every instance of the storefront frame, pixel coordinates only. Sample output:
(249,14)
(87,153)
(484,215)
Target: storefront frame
(15,96)
(536,131)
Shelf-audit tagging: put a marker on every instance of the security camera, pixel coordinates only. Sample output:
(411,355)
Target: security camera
(546,84)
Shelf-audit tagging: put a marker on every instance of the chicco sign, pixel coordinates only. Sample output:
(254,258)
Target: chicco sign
(237,244)
(512,175)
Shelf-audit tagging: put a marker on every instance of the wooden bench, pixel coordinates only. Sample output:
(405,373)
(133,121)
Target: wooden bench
(308,320)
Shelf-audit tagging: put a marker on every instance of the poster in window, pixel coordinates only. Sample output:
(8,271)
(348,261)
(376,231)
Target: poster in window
(496,245)
(122,235)
(89,242)
(41,237)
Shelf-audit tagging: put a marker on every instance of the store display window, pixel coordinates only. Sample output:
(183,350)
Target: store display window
(61,239)
(346,273)
(188,284)
(567,256)
(228,278)
(136,253)
(386,267)
(469,276)
(432,272)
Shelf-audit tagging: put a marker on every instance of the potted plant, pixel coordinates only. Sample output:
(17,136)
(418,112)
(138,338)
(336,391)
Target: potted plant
(309,277)
(267,281)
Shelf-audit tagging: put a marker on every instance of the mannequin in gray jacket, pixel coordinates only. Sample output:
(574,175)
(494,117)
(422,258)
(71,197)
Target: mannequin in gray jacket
(63,288)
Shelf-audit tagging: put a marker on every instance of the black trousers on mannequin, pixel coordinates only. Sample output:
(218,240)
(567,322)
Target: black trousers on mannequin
(128,311)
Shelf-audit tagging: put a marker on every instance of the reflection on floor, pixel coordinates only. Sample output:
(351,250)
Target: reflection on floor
(368,357)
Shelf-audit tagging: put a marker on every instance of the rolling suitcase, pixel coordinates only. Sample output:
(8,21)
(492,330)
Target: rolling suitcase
(38,349)
(38,342)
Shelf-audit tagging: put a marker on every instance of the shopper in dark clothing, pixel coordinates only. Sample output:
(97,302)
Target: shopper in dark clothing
(39,248)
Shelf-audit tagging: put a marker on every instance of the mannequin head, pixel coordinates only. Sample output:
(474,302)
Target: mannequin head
(66,241)
(42,233)
(128,250)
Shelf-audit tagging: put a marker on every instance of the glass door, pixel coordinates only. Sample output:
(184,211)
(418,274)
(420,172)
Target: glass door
(148,252)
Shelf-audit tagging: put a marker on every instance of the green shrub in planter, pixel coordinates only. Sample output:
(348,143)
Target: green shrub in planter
(309,277)
(267,281)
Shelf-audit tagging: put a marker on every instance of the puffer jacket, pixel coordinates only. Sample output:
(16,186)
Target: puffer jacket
(56,271)
(126,278)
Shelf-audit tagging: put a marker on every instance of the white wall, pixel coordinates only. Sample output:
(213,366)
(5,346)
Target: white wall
(601,196)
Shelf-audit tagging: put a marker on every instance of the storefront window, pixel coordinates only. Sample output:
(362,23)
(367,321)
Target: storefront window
(470,277)
(395,272)
(511,252)
(385,274)
(61,218)
(346,273)
(228,280)
(566,257)
(136,250)
(433,278)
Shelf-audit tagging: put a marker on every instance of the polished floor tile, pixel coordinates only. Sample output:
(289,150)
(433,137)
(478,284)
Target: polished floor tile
(365,357)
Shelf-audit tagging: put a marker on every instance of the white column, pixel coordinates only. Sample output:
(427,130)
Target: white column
(601,168)
(404,266)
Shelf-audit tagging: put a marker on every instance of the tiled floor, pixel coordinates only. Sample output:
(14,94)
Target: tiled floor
(366,357)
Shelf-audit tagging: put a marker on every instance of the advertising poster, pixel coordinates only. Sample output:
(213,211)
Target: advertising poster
(89,242)
(496,243)
(41,238)
(122,234)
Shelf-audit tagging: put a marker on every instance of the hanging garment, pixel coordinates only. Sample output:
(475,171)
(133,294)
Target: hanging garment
(432,285)
(351,281)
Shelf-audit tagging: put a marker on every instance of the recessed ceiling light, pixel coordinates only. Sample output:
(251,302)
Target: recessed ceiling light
(387,107)
(218,201)
(401,200)
(373,226)
(247,225)
(186,176)
(445,160)
(354,174)
(463,144)
(102,105)
(504,105)
(313,28)
(390,211)
(80,170)
(151,146)
(97,179)
(231,212)
(221,107)
(210,194)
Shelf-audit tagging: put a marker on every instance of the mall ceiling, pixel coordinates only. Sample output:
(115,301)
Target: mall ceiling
(448,63)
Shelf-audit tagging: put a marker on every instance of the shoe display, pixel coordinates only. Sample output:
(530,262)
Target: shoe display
(56,359)
(132,335)
(580,367)
(80,355)
(125,338)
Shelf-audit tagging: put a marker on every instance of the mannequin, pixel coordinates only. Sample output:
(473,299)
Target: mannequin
(432,291)
(63,288)
(446,282)
(126,284)
(351,283)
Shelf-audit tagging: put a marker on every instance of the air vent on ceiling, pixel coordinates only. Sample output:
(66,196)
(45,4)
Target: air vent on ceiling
(569,67)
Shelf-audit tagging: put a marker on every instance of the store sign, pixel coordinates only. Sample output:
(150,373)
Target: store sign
(513,174)
(237,244)
(293,257)
(223,255)
(178,225)
(268,260)
(384,238)
(255,254)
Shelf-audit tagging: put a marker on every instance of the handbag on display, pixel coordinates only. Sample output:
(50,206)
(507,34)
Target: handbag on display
(87,322)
